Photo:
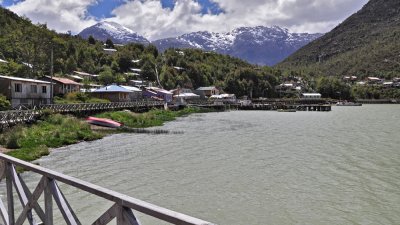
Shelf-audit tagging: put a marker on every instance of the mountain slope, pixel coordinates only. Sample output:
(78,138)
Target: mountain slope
(257,45)
(367,43)
(114,31)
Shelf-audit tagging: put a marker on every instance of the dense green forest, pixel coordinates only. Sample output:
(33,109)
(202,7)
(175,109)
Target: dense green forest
(28,49)
(366,44)
(22,43)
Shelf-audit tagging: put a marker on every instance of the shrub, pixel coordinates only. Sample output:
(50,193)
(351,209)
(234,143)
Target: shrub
(4,103)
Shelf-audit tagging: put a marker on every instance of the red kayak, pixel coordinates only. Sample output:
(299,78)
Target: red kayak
(103,122)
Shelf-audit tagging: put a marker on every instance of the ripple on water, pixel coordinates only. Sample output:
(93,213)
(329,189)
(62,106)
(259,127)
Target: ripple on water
(255,168)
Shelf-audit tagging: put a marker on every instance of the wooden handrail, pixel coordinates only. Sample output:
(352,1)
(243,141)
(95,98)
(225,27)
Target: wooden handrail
(118,198)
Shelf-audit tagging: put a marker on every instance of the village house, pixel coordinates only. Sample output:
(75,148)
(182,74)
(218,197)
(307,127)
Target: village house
(289,89)
(110,51)
(158,94)
(28,92)
(138,83)
(225,98)
(311,96)
(136,93)
(374,80)
(86,76)
(207,91)
(62,86)
(350,79)
(184,93)
(113,93)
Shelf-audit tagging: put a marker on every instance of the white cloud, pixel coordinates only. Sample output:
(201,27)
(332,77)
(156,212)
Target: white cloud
(148,18)
(63,16)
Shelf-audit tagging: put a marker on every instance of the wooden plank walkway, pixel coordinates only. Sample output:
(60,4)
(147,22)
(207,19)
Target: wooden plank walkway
(121,210)
(12,117)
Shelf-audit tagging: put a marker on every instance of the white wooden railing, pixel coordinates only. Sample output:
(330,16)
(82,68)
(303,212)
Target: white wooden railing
(122,208)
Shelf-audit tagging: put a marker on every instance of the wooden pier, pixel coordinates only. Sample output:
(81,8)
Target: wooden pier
(274,107)
(122,209)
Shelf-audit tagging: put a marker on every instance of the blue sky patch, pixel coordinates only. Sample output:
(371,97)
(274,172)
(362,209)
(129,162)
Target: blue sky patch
(104,8)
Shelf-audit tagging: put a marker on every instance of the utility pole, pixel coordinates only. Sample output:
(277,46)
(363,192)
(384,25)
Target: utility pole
(51,75)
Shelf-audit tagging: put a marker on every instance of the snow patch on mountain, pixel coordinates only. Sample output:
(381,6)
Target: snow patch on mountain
(114,31)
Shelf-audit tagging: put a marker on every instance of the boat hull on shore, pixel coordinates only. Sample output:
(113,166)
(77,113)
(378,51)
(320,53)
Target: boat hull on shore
(103,122)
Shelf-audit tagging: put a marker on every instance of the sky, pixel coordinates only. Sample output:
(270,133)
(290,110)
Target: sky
(155,19)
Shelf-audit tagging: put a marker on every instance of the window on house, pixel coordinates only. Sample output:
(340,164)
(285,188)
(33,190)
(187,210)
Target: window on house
(33,88)
(18,87)
(44,89)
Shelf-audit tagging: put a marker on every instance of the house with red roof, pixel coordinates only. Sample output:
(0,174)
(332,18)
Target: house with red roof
(62,86)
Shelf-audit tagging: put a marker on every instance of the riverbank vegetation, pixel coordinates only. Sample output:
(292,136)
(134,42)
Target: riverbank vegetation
(152,118)
(30,142)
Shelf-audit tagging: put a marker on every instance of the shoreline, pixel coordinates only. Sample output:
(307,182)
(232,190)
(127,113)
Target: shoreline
(31,142)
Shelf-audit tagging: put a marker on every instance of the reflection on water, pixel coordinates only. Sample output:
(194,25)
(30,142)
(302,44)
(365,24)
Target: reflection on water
(237,168)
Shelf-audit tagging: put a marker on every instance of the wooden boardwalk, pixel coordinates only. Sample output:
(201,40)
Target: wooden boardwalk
(122,209)
(10,118)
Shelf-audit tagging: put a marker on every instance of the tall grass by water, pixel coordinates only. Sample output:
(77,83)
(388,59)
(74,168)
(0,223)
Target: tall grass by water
(31,142)
(152,118)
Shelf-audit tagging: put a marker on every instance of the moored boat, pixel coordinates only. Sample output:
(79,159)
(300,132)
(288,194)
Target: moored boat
(103,122)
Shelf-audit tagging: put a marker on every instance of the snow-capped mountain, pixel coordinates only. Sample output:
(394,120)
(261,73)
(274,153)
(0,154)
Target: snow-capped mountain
(116,32)
(259,45)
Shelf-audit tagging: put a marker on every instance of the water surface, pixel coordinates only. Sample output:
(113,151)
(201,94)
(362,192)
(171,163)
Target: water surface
(251,167)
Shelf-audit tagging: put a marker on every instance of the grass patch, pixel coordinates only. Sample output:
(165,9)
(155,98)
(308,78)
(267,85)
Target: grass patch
(32,142)
(152,118)
(78,97)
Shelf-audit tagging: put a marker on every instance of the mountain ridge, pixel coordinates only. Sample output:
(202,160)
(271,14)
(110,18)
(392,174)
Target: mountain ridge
(365,44)
(258,45)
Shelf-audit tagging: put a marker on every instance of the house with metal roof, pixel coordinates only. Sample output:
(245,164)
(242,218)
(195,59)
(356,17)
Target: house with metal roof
(207,91)
(136,93)
(87,76)
(158,94)
(311,96)
(27,92)
(63,86)
(113,93)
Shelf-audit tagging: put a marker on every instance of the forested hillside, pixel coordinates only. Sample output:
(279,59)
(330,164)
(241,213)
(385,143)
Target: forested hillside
(28,48)
(366,44)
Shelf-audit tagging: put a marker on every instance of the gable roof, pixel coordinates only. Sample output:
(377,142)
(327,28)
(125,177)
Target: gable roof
(112,88)
(25,80)
(64,80)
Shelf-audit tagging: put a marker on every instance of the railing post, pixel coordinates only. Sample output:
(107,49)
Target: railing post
(48,203)
(10,197)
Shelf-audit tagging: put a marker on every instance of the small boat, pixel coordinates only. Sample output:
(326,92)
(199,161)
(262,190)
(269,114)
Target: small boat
(348,104)
(287,110)
(103,122)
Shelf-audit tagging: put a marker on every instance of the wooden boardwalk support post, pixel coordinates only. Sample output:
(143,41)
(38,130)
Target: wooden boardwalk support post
(122,209)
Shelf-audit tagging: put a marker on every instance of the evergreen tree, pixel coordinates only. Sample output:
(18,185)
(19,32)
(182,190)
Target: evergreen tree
(91,40)
(109,43)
